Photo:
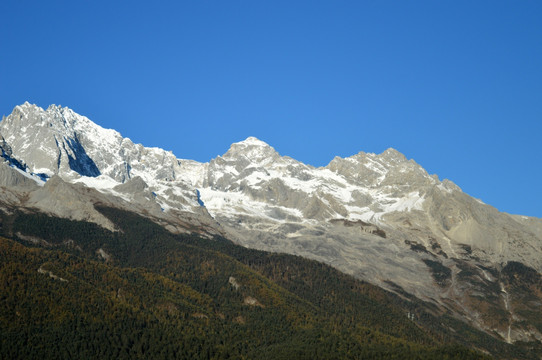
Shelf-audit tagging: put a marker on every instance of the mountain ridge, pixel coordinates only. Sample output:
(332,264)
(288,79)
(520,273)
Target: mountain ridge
(379,217)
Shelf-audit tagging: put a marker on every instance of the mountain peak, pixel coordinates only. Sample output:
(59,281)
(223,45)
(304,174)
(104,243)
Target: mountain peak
(393,154)
(29,107)
(29,115)
(252,141)
(27,104)
(54,107)
(252,149)
(25,108)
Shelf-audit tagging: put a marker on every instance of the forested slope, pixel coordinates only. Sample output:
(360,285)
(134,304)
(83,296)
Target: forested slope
(74,290)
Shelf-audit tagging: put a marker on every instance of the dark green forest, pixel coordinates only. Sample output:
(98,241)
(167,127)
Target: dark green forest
(72,289)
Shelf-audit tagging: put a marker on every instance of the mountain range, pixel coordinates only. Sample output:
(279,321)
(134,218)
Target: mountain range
(380,218)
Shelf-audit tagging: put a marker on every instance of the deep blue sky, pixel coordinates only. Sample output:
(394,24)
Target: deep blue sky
(455,85)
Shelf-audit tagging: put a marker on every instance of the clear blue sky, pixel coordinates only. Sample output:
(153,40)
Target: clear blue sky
(454,85)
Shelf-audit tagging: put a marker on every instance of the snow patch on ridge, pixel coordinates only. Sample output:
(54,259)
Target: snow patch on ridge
(409,202)
(233,204)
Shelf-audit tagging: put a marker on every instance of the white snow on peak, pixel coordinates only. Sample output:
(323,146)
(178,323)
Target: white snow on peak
(251,146)
(252,141)
(252,151)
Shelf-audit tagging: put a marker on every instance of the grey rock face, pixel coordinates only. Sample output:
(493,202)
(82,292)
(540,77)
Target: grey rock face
(13,177)
(68,201)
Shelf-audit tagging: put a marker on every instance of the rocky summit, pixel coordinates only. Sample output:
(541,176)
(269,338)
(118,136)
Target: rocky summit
(379,217)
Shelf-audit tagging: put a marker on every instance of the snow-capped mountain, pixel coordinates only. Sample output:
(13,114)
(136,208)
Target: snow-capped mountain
(57,142)
(72,146)
(380,217)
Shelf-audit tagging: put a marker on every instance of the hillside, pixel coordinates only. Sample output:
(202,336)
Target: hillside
(73,289)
